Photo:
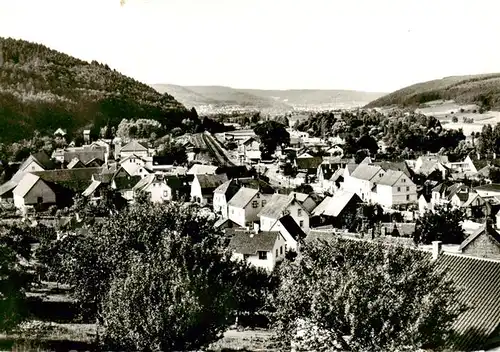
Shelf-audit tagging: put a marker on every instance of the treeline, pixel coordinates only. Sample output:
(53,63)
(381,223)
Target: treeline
(43,90)
(363,128)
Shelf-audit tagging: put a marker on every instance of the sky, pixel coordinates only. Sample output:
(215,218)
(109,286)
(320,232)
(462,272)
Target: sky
(369,45)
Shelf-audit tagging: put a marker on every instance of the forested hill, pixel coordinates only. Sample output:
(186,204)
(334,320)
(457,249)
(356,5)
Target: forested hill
(483,90)
(42,89)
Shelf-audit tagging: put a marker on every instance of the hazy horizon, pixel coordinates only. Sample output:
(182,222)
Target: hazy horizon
(361,45)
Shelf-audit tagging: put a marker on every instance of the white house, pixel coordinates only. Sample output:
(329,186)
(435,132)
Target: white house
(491,190)
(396,188)
(306,200)
(290,231)
(222,195)
(137,165)
(362,181)
(200,169)
(261,250)
(203,187)
(467,166)
(134,148)
(249,150)
(245,205)
(280,205)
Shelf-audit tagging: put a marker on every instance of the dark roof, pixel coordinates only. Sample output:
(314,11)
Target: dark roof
(73,179)
(75,163)
(126,182)
(491,233)
(209,183)
(490,187)
(291,226)
(84,154)
(479,282)
(248,242)
(403,229)
(44,160)
(396,166)
(234,171)
(390,177)
(309,163)
(328,170)
(256,183)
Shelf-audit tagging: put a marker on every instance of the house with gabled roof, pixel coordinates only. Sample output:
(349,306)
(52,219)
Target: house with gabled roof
(222,195)
(396,188)
(363,181)
(455,194)
(134,147)
(75,164)
(292,233)
(334,210)
(262,250)
(307,200)
(245,205)
(201,169)
(33,191)
(484,243)
(280,205)
(203,187)
(39,161)
(163,188)
(60,132)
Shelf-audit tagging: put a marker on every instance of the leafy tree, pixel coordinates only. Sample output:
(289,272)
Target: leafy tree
(272,134)
(156,276)
(174,153)
(345,295)
(304,188)
(442,224)
(494,174)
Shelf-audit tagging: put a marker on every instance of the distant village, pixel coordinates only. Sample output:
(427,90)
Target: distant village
(266,213)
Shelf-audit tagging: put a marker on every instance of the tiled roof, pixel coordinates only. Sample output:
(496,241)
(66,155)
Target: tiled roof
(479,282)
(333,206)
(250,243)
(308,163)
(133,146)
(292,228)
(337,174)
(492,233)
(126,182)
(74,179)
(7,187)
(495,187)
(144,182)
(75,163)
(27,183)
(255,183)
(366,172)
(396,166)
(91,189)
(275,206)
(209,183)
(301,197)
(390,178)
(243,197)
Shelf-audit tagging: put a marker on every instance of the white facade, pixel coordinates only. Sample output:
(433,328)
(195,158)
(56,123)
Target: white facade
(265,259)
(248,214)
(159,192)
(220,204)
(290,242)
(400,193)
(295,210)
(196,193)
(33,166)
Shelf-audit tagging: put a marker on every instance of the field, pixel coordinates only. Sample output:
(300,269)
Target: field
(444,111)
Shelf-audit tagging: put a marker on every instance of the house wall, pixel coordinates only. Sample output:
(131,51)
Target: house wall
(196,194)
(422,205)
(40,189)
(124,155)
(488,193)
(18,202)
(290,242)
(249,213)
(309,204)
(220,204)
(237,215)
(484,247)
(269,263)
(266,223)
(33,166)
(159,192)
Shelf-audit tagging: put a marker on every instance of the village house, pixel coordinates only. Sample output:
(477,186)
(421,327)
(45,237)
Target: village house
(249,150)
(75,164)
(307,200)
(336,210)
(163,188)
(245,205)
(491,190)
(85,154)
(134,148)
(60,133)
(33,191)
(137,165)
(291,232)
(280,205)
(222,195)
(203,187)
(396,188)
(363,180)
(455,194)
(262,250)
(484,243)
(466,166)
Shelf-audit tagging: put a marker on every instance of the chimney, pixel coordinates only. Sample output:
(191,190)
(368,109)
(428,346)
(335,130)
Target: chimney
(437,248)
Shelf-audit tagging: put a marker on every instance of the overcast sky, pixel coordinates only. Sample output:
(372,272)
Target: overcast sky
(372,45)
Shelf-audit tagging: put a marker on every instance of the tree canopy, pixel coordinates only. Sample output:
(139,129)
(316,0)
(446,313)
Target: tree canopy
(272,134)
(346,295)
(443,224)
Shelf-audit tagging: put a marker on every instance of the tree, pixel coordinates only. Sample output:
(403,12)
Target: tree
(156,276)
(272,134)
(442,224)
(304,188)
(345,295)
(174,153)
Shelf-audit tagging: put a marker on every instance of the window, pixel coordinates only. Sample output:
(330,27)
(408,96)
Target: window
(39,200)
(262,255)
(299,212)
(404,179)
(165,194)
(407,189)
(276,252)
(407,197)
(301,223)
(255,204)
(281,250)
(258,195)
(263,203)
(399,189)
